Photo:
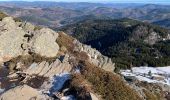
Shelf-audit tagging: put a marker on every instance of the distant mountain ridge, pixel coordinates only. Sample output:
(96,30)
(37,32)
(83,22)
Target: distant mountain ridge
(56,14)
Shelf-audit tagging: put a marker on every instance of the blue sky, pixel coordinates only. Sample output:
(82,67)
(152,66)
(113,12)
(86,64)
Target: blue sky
(118,1)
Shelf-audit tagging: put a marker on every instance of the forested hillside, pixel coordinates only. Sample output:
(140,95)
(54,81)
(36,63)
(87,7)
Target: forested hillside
(128,42)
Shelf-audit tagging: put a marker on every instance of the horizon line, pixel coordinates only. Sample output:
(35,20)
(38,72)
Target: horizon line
(111,2)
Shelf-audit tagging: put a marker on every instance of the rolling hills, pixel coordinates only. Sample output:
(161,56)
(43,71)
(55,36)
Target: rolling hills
(56,14)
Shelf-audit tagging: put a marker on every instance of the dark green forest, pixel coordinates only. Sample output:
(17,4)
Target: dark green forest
(124,41)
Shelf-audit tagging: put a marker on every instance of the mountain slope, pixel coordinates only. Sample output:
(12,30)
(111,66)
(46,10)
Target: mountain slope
(128,42)
(39,63)
(164,23)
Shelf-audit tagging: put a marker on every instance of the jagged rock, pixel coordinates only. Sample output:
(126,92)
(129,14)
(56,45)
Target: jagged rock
(23,93)
(95,56)
(44,43)
(48,70)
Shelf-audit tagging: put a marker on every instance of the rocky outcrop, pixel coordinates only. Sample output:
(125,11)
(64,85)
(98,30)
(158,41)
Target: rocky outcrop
(153,38)
(23,93)
(21,39)
(42,69)
(95,57)
(43,43)
(48,70)
(37,66)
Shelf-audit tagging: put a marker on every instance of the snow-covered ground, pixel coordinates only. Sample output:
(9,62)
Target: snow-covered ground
(55,84)
(149,74)
(2,90)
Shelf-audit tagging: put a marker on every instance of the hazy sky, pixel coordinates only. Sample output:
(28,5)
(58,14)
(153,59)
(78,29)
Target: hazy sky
(120,1)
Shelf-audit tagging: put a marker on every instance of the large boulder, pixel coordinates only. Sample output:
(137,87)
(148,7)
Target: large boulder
(12,38)
(23,93)
(44,43)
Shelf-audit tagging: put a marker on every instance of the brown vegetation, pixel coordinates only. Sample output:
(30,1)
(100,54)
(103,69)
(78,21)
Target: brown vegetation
(27,60)
(66,41)
(36,81)
(80,87)
(149,95)
(110,86)
(2,15)
(152,91)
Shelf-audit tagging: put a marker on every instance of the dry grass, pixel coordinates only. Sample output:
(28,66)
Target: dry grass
(152,91)
(149,95)
(66,41)
(80,87)
(36,81)
(27,60)
(110,86)
(2,15)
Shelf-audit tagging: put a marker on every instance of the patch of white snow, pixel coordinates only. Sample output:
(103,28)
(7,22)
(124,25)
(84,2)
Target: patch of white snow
(149,74)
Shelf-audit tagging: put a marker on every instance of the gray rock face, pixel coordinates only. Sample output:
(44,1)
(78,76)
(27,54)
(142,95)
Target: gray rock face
(95,56)
(48,70)
(24,93)
(17,41)
(152,38)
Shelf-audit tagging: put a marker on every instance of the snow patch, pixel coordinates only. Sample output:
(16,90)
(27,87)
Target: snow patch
(70,97)
(58,81)
(55,83)
(2,90)
(149,74)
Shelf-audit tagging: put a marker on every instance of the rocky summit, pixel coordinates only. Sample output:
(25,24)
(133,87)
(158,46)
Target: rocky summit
(84,51)
(38,63)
